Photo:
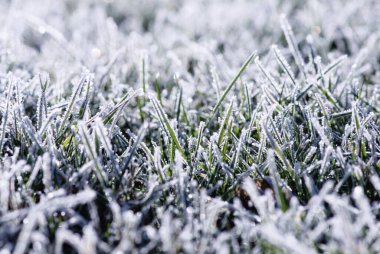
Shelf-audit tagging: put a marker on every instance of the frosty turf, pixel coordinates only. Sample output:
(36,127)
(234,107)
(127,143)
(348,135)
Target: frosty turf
(146,127)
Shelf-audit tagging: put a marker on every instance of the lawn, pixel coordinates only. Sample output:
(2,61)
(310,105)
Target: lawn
(189,126)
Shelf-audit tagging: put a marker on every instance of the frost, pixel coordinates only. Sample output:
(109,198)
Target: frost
(150,126)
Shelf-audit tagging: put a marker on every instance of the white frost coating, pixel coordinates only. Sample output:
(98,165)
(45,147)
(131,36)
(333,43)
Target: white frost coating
(116,133)
(288,242)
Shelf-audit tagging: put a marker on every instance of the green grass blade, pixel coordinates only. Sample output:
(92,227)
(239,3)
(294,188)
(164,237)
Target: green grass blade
(224,124)
(167,127)
(229,87)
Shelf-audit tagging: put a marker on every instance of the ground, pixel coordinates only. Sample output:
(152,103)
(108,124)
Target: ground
(189,126)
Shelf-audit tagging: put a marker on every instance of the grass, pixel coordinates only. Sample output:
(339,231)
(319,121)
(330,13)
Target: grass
(143,132)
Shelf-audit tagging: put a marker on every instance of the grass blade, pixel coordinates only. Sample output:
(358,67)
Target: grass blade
(229,87)
(166,126)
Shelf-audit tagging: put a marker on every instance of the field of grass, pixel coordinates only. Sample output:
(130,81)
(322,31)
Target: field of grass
(189,126)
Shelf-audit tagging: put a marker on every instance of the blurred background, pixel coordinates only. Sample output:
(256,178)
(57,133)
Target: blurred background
(179,37)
